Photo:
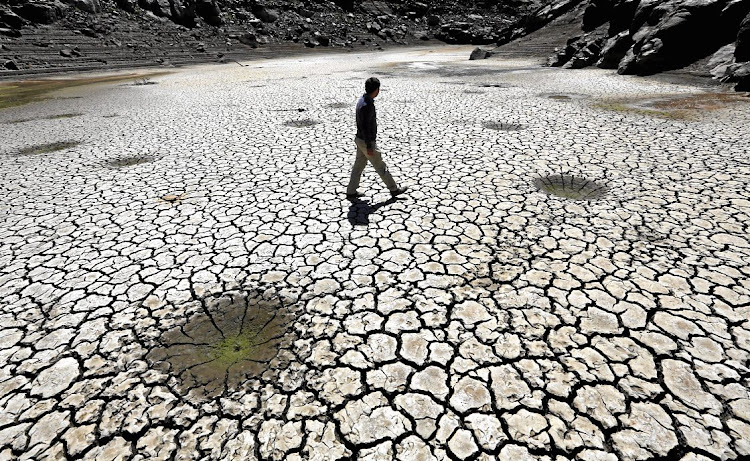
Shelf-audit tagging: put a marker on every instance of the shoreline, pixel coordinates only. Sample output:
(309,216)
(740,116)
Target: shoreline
(270,51)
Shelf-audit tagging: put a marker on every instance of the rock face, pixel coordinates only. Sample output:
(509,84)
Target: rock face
(243,25)
(742,51)
(648,36)
(39,13)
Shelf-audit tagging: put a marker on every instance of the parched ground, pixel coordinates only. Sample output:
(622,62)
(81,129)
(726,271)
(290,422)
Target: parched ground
(181,276)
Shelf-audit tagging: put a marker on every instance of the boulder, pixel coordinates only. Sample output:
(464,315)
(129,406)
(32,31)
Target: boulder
(11,20)
(127,5)
(11,65)
(183,13)
(39,13)
(740,74)
(721,61)
(731,18)
(266,15)
(87,31)
(376,8)
(249,39)
(597,12)
(160,8)
(479,53)
(433,20)
(622,15)
(547,13)
(587,55)
(742,52)
(614,50)
(209,11)
(672,34)
(10,32)
(89,6)
(562,56)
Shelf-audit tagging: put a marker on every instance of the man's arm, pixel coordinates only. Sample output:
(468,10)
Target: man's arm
(370,127)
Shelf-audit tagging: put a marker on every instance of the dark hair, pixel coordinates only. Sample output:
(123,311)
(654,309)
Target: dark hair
(371,84)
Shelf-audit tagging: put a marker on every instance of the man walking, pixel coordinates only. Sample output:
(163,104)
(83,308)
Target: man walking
(367,149)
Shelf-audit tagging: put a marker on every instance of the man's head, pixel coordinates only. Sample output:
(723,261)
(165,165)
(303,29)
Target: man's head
(372,86)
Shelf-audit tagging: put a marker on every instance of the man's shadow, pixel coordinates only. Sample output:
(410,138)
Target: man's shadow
(359,211)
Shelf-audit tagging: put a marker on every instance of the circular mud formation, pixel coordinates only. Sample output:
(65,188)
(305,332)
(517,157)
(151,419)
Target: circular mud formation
(304,123)
(502,126)
(124,162)
(494,85)
(234,338)
(570,187)
(562,96)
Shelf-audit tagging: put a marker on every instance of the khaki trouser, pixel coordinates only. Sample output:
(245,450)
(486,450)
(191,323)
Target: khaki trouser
(361,161)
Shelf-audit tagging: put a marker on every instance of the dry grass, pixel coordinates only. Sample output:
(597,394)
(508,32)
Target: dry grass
(674,107)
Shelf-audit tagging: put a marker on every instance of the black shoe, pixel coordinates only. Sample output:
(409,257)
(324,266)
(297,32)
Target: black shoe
(355,195)
(399,191)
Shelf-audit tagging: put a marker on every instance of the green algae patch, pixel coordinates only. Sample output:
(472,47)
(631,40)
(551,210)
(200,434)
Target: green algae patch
(570,187)
(47,148)
(28,91)
(236,338)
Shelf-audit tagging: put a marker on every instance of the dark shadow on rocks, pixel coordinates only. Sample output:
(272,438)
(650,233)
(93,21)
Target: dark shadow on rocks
(360,211)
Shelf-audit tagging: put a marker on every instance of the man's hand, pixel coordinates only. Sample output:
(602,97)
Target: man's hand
(370,152)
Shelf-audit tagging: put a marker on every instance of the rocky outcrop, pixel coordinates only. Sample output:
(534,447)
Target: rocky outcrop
(742,50)
(648,36)
(39,13)
(253,23)
(214,27)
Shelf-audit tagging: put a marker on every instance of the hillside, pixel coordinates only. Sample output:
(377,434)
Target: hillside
(41,35)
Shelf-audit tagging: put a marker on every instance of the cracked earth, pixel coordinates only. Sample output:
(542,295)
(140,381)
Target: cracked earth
(182,278)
